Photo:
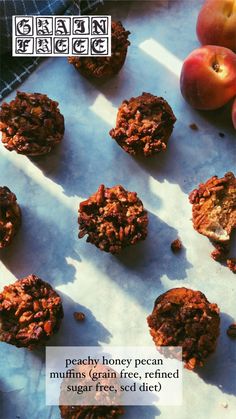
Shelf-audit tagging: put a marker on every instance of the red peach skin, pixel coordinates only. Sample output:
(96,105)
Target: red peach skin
(216,24)
(208,77)
(234,113)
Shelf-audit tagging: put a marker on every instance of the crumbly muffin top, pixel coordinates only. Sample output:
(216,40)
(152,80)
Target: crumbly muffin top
(113,218)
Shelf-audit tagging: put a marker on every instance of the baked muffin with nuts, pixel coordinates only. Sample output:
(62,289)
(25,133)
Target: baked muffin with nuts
(214,212)
(214,207)
(143,125)
(106,402)
(104,67)
(91,412)
(30,312)
(31,124)
(10,216)
(183,317)
(113,218)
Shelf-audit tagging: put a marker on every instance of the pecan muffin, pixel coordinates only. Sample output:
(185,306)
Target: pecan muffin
(183,317)
(214,207)
(143,125)
(31,124)
(91,412)
(30,312)
(10,216)
(104,67)
(106,406)
(113,218)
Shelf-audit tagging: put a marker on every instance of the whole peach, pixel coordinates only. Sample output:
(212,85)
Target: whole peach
(208,77)
(216,24)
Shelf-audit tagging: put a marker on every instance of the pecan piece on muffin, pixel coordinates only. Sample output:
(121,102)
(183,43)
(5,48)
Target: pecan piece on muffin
(31,124)
(10,216)
(113,218)
(183,317)
(143,125)
(30,312)
(104,67)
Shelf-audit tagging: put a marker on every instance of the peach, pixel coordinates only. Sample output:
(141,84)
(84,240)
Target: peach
(208,77)
(234,113)
(216,24)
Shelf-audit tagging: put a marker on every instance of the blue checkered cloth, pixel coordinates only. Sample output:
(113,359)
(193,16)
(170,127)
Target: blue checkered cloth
(14,70)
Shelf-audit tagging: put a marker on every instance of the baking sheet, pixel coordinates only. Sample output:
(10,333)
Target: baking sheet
(117,292)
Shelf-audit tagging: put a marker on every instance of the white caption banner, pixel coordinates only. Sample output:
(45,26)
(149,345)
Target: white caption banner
(113,376)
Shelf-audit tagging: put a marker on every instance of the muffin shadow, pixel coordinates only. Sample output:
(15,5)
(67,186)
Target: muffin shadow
(30,253)
(220,368)
(88,332)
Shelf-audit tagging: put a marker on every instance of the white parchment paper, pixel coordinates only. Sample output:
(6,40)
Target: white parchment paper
(117,292)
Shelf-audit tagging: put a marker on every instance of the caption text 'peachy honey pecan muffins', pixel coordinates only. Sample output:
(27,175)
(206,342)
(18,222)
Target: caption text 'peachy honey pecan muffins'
(10,216)
(31,124)
(143,125)
(183,317)
(104,67)
(113,218)
(30,312)
(214,212)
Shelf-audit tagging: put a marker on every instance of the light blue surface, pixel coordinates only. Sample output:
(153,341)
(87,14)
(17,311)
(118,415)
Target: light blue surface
(117,293)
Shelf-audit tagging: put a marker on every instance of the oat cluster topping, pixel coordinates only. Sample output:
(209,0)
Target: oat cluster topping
(30,312)
(143,125)
(31,124)
(113,218)
(183,317)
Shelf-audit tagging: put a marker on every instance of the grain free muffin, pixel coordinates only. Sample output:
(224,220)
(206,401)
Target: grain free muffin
(105,402)
(183,317)
(10,216)
(214,213)
(91,412)
(104,67)
(143,125)
(31,124)
(113,218)
(30,312)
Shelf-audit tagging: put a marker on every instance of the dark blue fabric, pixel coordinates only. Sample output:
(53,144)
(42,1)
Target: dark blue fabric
(14,70)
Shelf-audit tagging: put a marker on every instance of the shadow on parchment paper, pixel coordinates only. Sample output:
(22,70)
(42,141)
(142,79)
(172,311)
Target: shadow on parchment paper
(88,332)
(41,247)
(138,269)
(156,250)
(141,412)
(220,368)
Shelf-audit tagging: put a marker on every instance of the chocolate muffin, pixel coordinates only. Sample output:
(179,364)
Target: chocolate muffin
(30,312)
(104,67)
(214,207)
(183,317)
(10,216)
(91,412)
(31,124)
(113,218)
(143,125)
